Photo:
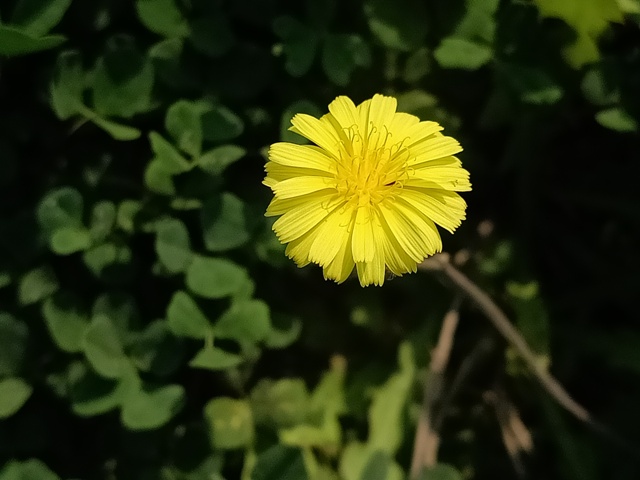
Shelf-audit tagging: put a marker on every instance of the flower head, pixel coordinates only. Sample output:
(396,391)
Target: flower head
(369,193)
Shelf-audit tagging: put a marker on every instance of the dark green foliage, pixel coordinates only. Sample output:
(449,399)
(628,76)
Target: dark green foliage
(151,326)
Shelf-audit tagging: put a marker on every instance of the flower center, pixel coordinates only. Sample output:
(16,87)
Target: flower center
(371,170)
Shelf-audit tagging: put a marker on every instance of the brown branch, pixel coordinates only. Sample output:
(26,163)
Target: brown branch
(500,321)
(469,363)
(427,439)
(515,435)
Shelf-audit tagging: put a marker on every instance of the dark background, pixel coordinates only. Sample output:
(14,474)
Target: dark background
(102,223)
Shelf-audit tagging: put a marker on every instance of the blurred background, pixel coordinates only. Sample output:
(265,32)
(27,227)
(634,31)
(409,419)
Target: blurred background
(151,326)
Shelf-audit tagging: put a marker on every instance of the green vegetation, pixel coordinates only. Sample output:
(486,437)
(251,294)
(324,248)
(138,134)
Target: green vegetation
(151,326)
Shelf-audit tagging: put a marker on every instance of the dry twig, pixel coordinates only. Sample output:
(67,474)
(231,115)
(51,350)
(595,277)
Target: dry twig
(500,321)
(515,435)
(427,439)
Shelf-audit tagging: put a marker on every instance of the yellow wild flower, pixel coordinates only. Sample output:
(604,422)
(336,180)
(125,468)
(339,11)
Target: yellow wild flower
(369,193)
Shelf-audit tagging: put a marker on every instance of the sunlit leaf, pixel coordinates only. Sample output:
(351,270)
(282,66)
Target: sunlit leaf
(14,392)
(230,423)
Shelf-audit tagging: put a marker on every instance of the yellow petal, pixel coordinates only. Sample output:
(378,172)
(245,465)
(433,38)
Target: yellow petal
(333,232)
(298,249)
(342,265)
(279,206)
(404,234)
(373,272)
(382,110)
(363,244)
(319,132)
(400,124)
(307,156)
(417,235)
(422,225)
(298,186)
(420,132)
(375,116)
(278,173)
(445,208)
(395,257)
(433,148)
(445,173)
(302,218)
(344,111)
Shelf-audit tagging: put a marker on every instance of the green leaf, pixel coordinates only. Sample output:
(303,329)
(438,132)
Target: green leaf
(224,223)
(398,25)
(279,463)
(302,106)
(66,321)
(39,16)
(162,17)
(230,423)
(185,318)
(155,349)
(478,23)
(212,358)
(103,219)
(110,261)
(92,395)
(246,321)
(28,470)
(322,428)
(212,34)
(418,65)
(220,124)
(68,240)
(167,155)
(158,179)
(172,245)
(325,434)
(361,462)
(342,54)
(14,392)
(387,411)
(280,404)
(67,85)
(122,80)
(598,88)
(377,467)
(151,408)
(103,348)
(128,211)
(215,161)
(441,472)
(60,208)
(328,396)
(184,123)
(283,333)
(37,285)
(5,279)
(13,343)
(121,309)
(589,18)
(299,44)
(532,84)
(617,119)
(532,318)
(116,130)
(214,277)
(460,53)
(16,41)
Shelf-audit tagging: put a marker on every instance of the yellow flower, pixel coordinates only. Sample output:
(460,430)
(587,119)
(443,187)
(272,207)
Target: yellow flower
(369,193)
